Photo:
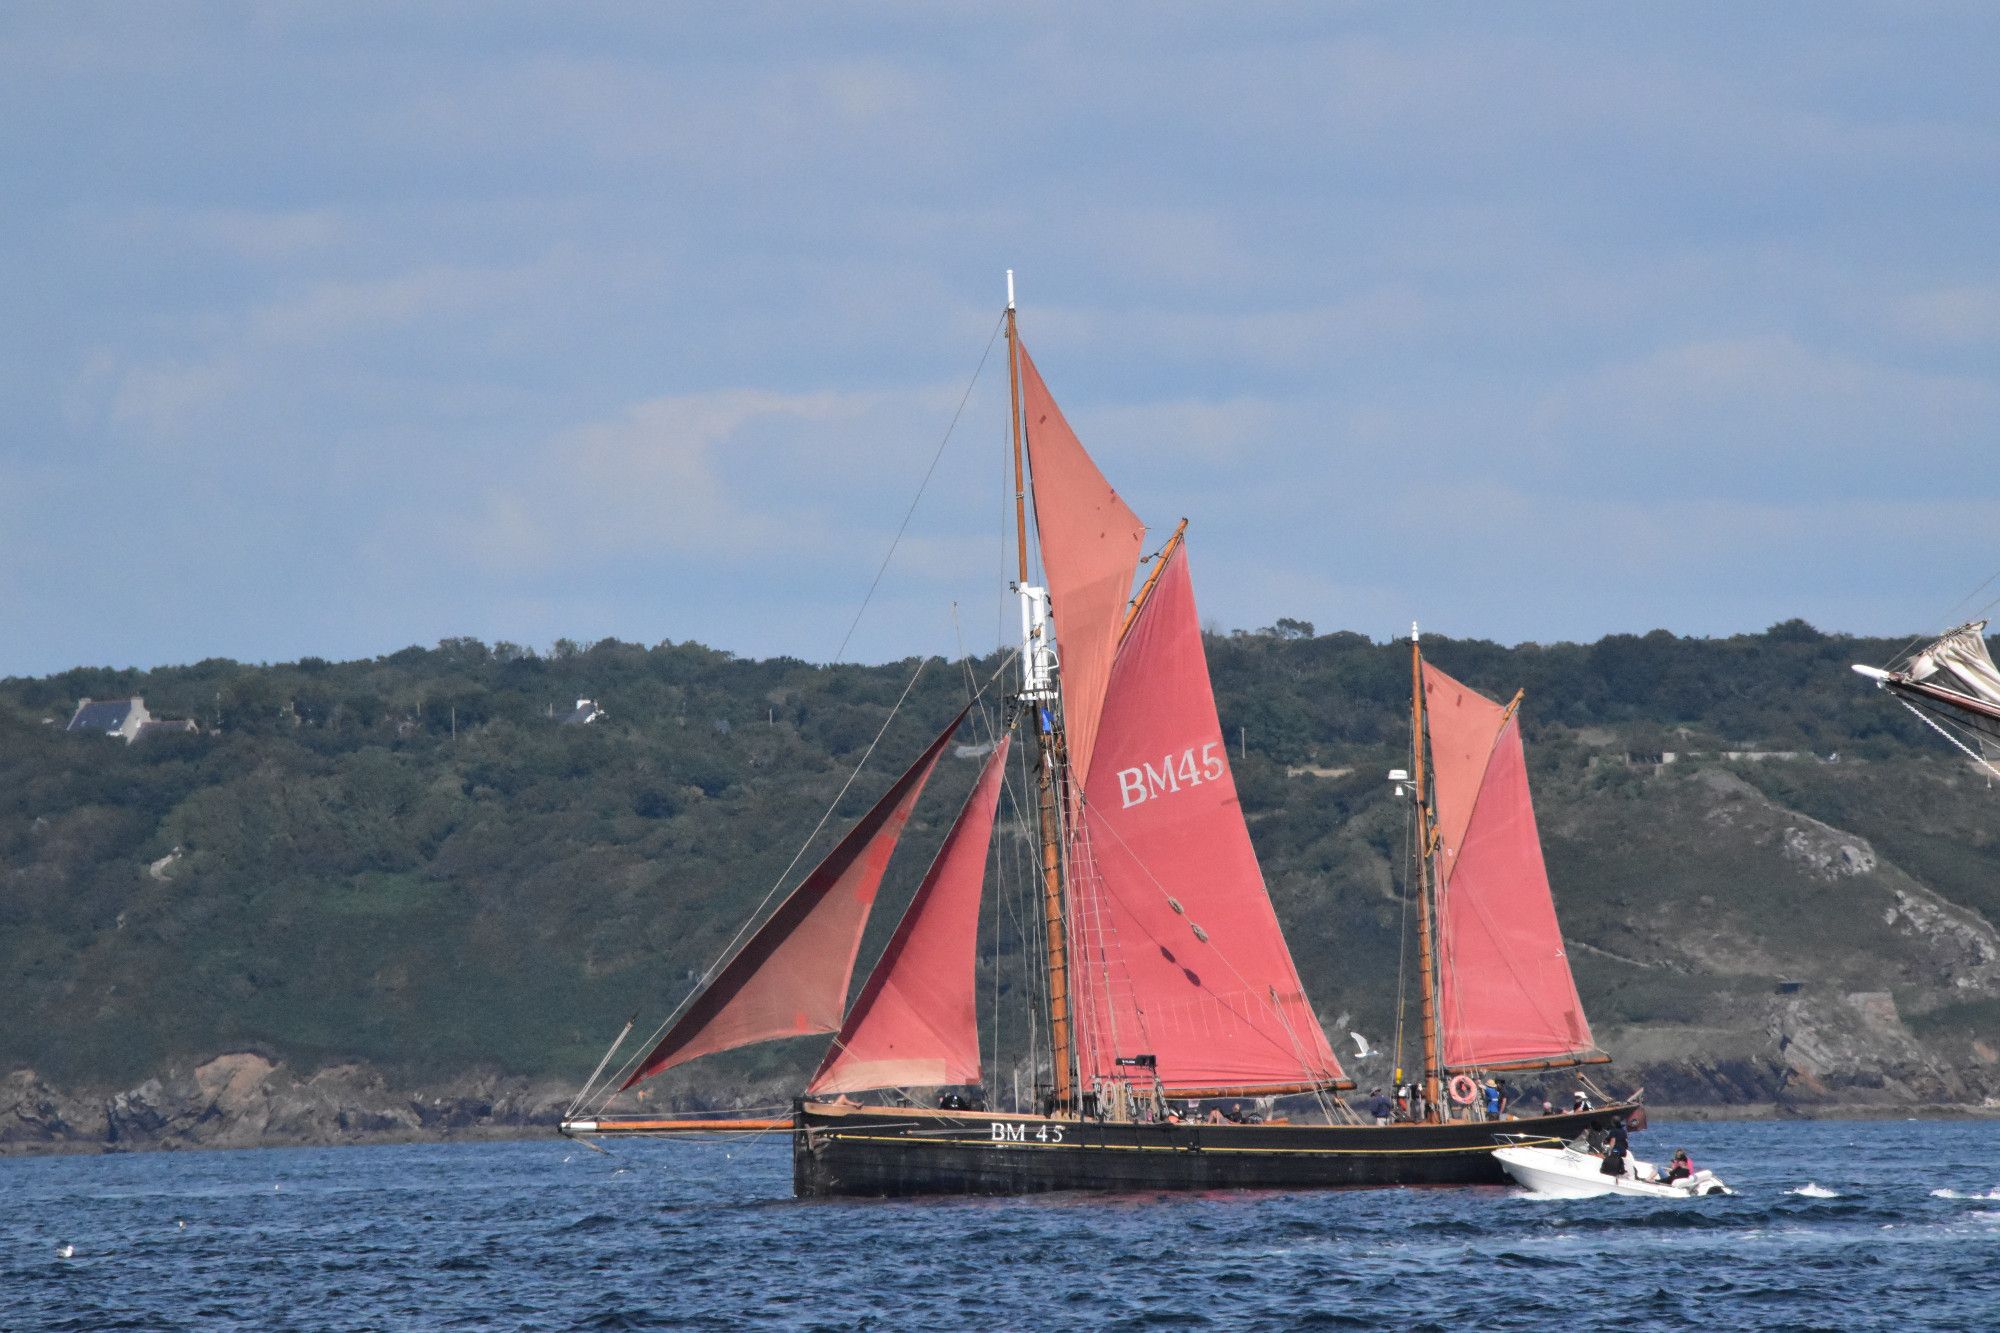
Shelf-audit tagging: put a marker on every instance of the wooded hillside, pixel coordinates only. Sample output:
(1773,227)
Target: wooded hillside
(412,862)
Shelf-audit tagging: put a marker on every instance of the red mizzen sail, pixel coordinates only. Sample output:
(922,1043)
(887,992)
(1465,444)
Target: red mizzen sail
(915,1023)
(1463,724)
(1091,544)
(790,978)
(1508,996)
(1177,952)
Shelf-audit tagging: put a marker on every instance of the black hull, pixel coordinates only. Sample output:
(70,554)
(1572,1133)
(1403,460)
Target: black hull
(877,1153)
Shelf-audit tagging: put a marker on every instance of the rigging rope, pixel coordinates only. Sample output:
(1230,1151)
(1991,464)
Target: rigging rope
(911,512)
(1938,727)
(1403,940)
(1950,617)
(708,975)
(757,915)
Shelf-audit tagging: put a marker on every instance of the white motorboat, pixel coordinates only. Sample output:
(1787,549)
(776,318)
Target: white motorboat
(1576,1173)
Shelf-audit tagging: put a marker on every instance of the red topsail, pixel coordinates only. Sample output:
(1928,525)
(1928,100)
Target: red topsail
(1508,996)
(1091,544)
(791,977)
(915,1023)
(1179,955)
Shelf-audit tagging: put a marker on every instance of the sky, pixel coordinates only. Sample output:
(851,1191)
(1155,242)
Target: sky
(327,329)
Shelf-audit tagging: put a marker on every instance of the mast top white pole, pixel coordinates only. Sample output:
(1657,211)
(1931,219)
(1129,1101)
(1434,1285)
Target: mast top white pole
(1010,289)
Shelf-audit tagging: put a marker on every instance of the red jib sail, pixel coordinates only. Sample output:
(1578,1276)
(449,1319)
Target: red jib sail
(1508,996)
(1091,544)
(915,1023)
(1178,954)
(790,978)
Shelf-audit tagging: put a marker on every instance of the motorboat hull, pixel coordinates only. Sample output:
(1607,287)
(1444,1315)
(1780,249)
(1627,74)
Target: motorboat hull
(1567,1173)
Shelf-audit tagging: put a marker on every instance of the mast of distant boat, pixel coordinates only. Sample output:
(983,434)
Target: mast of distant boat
(1039,703)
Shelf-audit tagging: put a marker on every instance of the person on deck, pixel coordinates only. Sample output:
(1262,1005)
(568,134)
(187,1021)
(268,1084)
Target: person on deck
(1681,1167)
(1379,1107)
(1494,1101)
(1613,1163)
(1620,1144)
(1581,1101)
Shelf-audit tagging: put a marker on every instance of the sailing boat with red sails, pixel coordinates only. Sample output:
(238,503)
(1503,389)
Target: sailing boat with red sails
(1164,974)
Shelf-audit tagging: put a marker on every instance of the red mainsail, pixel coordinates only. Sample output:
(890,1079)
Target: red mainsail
(1504,979)
(915,1023)
(790,978)
(1177,952)
(1091,544)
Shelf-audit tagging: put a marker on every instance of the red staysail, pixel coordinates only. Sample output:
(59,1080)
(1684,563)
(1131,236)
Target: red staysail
(1091,544)
(915,1023)
(1508,996)
(1178,952)
(790,978)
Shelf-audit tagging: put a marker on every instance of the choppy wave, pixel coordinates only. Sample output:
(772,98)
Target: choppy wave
(514,1235)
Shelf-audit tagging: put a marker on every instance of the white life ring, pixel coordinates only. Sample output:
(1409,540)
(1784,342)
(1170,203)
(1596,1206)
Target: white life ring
(1463,1089)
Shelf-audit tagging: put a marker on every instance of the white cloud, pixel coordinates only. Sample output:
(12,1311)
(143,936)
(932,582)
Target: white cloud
(163,402)
(1965,314)
(724,479)
(344,278)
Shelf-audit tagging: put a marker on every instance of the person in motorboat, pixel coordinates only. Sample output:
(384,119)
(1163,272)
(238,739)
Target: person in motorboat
(1571,1172)
(1681,1167)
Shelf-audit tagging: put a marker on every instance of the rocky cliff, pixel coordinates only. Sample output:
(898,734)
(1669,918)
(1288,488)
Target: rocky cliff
(243,1100)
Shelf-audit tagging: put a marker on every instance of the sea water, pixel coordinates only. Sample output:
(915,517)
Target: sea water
(1839,1225)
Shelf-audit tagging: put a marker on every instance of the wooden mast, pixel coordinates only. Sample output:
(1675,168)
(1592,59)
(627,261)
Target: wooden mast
(1426,914)
(1048,747)
(1146,589)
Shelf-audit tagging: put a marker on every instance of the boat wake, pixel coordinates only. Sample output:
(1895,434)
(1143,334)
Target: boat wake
(1814,1190)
